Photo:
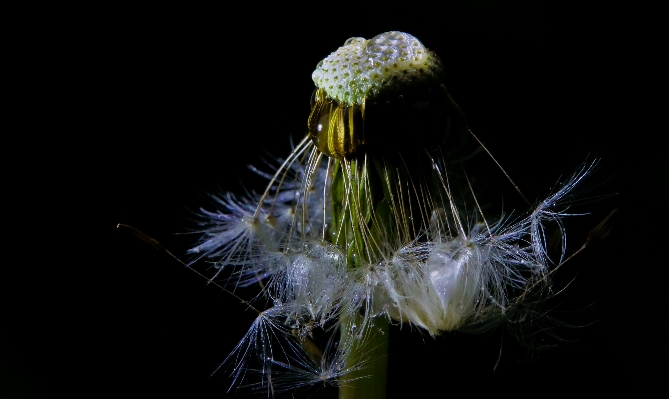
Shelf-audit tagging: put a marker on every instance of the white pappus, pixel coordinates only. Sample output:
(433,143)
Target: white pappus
(352,230)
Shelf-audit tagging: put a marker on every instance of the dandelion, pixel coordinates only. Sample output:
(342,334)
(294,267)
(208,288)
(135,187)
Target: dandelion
(370,221)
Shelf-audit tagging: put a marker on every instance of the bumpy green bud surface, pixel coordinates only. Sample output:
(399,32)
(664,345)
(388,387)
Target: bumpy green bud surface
(369,68)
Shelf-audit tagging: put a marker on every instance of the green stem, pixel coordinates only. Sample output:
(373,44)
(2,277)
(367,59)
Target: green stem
(368,382)
(362,216)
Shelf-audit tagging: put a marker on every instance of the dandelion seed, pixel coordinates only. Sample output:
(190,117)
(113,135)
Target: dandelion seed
(366,222)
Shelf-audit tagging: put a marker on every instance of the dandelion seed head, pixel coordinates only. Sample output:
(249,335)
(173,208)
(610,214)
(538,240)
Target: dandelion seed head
(365,68)
(351,230)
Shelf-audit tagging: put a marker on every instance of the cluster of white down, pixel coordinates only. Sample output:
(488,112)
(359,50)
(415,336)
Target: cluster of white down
(452,274)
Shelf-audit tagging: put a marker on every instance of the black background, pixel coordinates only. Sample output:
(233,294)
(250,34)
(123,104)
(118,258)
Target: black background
(153,108)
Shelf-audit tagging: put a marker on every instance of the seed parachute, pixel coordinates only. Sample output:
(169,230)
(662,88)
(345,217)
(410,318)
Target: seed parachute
(372,220)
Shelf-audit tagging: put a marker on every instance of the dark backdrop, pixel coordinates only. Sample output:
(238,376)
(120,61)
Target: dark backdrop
(173,103)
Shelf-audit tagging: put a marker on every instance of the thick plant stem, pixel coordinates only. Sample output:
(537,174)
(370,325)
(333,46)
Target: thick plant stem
(368,382)
(362,221)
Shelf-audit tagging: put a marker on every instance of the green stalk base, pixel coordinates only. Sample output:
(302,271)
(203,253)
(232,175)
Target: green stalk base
(370,381)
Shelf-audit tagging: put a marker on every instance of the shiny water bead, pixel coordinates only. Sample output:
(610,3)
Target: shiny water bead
(336,130)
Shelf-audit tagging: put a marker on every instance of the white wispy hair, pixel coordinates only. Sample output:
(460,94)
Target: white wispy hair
(405,249)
